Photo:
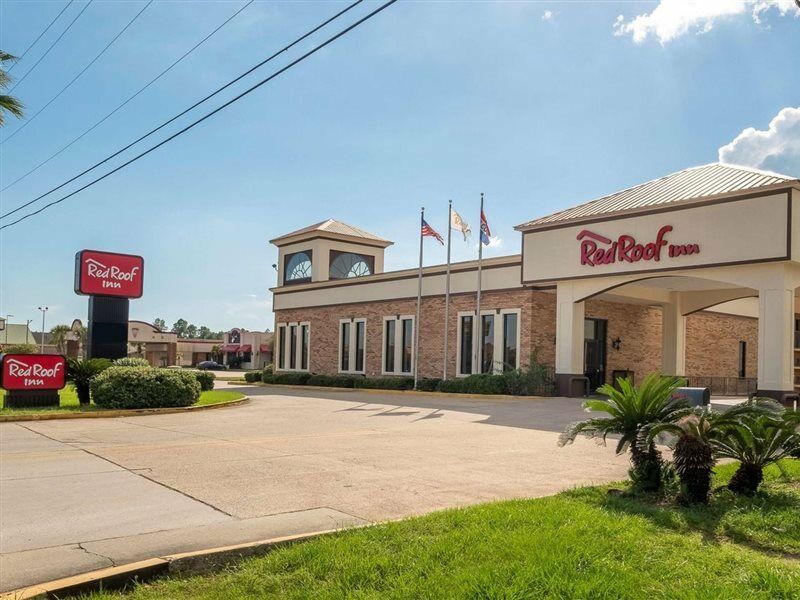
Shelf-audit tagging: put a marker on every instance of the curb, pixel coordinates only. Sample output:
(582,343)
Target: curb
(323,388)
(115,413)
(185,563)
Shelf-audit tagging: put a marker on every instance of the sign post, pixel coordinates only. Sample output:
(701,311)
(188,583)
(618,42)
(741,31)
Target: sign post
(32,380)
(110,280)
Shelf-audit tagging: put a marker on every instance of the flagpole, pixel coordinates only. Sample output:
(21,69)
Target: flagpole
(419,300)
(479,327)
(447,287)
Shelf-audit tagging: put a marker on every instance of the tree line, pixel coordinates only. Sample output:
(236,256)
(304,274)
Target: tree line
(189,331)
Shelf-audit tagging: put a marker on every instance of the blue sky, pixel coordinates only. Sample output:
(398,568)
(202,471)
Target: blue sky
(541,105)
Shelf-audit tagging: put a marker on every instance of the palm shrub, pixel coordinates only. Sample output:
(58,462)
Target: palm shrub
(131,361)
(630,409)
(758,440)
(694,430)
(82,372)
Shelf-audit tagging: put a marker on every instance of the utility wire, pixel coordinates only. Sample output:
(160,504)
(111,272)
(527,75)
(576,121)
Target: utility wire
(252,88)
(46,52)
(142,89)
(86,68)
(195,105)
(46,29)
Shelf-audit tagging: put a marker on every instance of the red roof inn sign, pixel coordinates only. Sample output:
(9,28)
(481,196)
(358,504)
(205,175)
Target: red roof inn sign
(108,274)
(33,372)
(597,249)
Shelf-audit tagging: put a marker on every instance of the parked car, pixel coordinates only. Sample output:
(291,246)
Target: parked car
(210,365)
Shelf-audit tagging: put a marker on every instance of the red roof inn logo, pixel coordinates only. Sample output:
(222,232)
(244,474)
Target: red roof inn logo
(33,372)
(108,274)
(599,250)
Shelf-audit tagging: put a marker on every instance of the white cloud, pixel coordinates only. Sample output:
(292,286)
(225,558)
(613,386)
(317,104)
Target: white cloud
(547,15)
(776,148)
(674,18)
(495,242)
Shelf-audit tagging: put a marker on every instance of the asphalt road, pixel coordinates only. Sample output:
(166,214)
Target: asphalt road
(82,494)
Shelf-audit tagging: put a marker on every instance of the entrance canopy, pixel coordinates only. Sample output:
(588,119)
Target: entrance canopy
(688,241)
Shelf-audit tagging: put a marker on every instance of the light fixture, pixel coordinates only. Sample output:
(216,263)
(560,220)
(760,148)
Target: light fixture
(615,343)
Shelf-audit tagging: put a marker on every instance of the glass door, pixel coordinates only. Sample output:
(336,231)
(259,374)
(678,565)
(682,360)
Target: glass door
(594,351)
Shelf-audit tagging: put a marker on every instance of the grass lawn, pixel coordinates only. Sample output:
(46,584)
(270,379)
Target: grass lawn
(584,543)
(69,402)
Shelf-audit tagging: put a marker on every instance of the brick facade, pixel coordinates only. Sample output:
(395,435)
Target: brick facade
(712,339)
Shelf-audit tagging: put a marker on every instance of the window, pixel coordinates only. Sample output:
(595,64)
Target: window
(389,326)
(344,265)
(293,347)
(297,267)
(352,345)
(398,358)
(742,359)
(465,331)
(509,341)
(497,339)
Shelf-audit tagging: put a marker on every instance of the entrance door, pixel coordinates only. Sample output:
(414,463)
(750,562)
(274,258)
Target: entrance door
(594,351)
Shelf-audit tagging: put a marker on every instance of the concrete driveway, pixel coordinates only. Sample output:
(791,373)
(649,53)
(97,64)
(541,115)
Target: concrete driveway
(82,494)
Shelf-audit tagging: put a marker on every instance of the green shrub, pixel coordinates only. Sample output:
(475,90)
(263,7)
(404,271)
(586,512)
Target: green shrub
(253,376)
(131,361)
(386,383)
(270,368)
(428,385)
(82,372)
(20,349)
(286,378)
(144,387)
(340,381)
(482,383)
(205,379)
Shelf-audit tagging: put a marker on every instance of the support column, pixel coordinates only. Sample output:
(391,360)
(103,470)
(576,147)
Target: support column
(775,342)
(569,342)
(673,337)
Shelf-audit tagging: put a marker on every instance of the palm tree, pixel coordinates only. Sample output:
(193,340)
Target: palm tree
(630,409)
(756,441)
(694,431)
(58,337)
(7,103)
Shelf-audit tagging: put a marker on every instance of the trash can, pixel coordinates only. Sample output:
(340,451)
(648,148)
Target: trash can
(697,396)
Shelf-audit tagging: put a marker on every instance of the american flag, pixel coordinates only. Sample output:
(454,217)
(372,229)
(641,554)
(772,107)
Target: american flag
(430,231)
(485,233)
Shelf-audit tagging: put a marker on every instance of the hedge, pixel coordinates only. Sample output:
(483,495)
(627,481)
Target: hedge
(253,376)
(131,361)
(144,387)
(205,379)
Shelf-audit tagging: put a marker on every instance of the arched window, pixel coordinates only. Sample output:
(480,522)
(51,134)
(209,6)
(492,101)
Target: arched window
(297,267)
(348,264)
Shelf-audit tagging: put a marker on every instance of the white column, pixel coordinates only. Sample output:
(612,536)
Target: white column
(775,340)
(569,331)
(673,337)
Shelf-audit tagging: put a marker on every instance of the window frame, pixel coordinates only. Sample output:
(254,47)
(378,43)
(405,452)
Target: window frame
(398,345)
(352,346)
(288,257)
(499,342)
(283,347)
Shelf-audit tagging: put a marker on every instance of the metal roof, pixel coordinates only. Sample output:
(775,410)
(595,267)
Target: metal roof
(714,179)
(335,227)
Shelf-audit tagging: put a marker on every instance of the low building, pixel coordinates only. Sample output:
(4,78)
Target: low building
(693,274)
(14,334)
(247,349)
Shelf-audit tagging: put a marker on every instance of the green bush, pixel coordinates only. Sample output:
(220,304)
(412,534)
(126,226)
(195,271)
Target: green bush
(386,383)
(286,378)
(270,368)
(253,376)
(82,372)
(20,349)
(340,381)
(482,383)
(205,379)
(144,387)
(131,361)
(428,385)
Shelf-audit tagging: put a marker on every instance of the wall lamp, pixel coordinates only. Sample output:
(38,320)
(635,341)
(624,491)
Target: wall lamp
(615,343)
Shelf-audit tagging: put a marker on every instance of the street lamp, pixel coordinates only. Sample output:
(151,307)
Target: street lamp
(6,327)
(44,312)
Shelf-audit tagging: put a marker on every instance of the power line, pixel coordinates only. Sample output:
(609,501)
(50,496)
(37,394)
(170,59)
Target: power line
(86,68)
(275,74)
(193,106)
(142,89)
(58,39)
(46,29)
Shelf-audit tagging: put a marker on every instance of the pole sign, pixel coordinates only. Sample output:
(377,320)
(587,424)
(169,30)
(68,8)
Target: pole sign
(33,372)
(109,274)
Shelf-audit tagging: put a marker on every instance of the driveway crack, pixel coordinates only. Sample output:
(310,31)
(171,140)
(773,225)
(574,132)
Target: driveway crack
(112,562)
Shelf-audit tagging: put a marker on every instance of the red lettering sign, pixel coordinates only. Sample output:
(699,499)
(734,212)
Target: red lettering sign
(597,249)
(108,274)
(33,372)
